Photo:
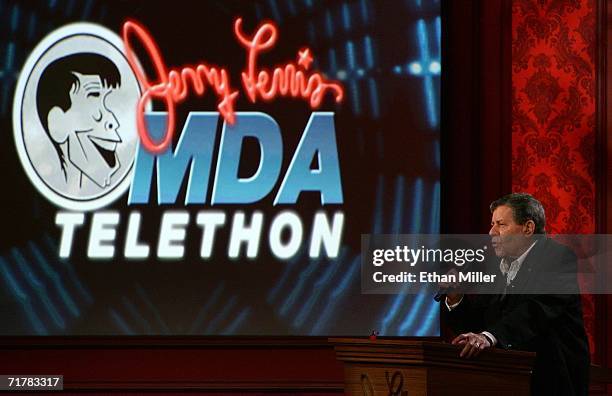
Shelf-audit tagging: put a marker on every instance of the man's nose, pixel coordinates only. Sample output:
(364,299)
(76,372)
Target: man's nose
(493,231)
(111,123)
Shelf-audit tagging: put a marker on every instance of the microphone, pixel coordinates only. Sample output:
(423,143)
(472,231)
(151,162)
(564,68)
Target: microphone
(453,244)
(441,293)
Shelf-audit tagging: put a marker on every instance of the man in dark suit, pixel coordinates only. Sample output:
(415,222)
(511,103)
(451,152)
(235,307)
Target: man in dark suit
(549,324)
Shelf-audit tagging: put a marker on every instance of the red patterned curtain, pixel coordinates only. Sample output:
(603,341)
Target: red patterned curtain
(553,115)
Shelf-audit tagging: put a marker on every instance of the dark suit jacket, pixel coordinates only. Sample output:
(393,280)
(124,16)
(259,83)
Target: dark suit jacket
(549,324)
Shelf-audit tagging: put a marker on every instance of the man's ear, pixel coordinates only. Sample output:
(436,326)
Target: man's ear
(529,228)
(58,125)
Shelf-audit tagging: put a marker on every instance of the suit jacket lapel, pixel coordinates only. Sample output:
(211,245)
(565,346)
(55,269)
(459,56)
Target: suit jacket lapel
(528,266)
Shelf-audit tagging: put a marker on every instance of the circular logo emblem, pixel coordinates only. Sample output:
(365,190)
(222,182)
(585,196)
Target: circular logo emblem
(73,117)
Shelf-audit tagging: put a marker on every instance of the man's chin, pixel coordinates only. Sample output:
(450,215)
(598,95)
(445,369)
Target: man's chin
(96,168)
(101,180)
(102,183)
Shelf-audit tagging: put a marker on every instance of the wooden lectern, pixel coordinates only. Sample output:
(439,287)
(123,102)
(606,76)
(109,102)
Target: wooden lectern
(417,367)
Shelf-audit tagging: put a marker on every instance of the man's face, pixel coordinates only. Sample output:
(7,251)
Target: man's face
(93,137)
(509,239)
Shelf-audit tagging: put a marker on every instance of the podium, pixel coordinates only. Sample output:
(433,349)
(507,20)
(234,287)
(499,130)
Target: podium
(417,367)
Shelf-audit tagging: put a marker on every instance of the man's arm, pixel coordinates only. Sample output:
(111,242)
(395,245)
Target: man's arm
(536,313)
(472,343)
(531,318)
(465,314)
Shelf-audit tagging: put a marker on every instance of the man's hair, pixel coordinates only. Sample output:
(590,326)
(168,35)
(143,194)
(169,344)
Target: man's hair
(524,208)
(58,78)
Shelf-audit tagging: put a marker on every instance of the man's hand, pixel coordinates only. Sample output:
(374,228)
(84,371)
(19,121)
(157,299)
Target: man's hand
(452,296)
(473,344)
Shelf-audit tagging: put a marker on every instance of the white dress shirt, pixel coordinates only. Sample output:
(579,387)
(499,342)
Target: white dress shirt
(511,268)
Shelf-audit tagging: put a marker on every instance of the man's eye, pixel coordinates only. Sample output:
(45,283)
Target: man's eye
(93,95)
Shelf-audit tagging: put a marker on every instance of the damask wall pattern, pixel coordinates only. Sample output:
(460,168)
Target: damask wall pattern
(553,114)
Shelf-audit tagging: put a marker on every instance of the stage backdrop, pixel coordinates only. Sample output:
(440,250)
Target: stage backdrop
(554,153)
(246,219)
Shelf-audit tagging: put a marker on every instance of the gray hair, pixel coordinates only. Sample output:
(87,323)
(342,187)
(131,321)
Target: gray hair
(524,208)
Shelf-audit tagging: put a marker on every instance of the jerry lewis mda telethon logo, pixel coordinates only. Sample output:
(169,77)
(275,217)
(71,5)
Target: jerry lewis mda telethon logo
(73,117)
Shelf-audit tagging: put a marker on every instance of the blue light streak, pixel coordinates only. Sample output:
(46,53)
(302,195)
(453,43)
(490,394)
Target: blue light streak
(131,308)
(237,322)
(398,301)
(423,43)
(336,295)
(22,297)
(87,9)
(417,208)
(346,17)
(408,323)
(275,12)
(217,320)
(38,287)
(284,278)
(369,51)
(201,316)
(438,24)
(329,24)
(297,290)
(311,31)
(55,279)
(10,56)
(365,15)
(428,321)
(398,201)
(350,55)
(15,17)
(52,249)
(32,26)
(355,96)
(333,63)
(377,224)
(432,116)
(143,295)
(434,227)
(374,103)
(319,286)
(121,323)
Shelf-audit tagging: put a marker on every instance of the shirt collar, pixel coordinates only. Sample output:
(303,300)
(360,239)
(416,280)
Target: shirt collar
(523,256)
(507,261)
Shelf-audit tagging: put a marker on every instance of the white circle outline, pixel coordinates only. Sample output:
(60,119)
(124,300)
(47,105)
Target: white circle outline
(49,40)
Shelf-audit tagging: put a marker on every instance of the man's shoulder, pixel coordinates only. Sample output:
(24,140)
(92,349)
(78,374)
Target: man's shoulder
(550,255)
(550,248)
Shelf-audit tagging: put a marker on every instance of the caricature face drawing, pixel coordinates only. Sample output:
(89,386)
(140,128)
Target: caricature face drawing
(74,117)
(78,121)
